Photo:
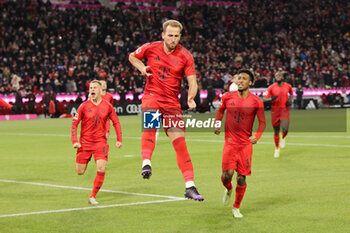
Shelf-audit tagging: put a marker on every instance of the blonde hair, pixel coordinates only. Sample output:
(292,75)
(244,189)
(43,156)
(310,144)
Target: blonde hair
(172,23)
(97,81)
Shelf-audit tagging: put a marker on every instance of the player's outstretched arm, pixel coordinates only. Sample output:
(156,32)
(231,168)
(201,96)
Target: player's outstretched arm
(138,64)
(74,127)
(219,115)
(192,91)
(262,123)
(116,124)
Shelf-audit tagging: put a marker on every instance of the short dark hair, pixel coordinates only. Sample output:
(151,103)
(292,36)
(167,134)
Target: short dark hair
(250,73)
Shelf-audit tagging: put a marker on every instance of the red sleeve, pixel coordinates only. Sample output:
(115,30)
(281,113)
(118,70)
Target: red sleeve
(4,104)
(74,128)
(261,118)
(140,52)
(267,93)
(116,124)
(190,68)
(221,111)
(290,90)
(110,98)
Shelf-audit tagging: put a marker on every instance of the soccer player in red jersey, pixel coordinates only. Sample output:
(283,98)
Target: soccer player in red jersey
(167,63)
(281,96)
(241,108)
(109,98)
(93,114)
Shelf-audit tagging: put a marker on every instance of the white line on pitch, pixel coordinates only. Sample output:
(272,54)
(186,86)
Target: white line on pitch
(81,188)
(196,140)
(91,207)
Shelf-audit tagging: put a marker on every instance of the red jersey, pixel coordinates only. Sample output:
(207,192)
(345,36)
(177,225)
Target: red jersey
(281,92)
(93,124)
(4,104)
(167,70)
(240,117)
(108,97)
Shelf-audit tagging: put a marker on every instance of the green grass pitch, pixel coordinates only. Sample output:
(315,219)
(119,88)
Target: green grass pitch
(306,190)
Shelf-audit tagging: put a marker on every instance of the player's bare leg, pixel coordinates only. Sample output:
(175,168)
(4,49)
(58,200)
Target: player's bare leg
(276,137)
(226,179)
(285,126)
(177,137)
(240,190)
(101,170)
(80,168)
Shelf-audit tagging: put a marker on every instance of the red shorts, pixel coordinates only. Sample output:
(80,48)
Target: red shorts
(101,152)
(171,112)
(237,157)
(279,114)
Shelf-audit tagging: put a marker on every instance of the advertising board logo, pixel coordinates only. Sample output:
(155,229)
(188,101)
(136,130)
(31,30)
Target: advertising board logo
(151,119)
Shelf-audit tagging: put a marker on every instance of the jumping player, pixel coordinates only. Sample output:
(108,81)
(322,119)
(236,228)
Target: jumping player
(281,96)
(241,108)
(167,63)
(93,114)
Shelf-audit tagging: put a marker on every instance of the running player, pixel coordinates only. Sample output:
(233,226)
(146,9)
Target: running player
(93,115)
(281,96)
(241,108)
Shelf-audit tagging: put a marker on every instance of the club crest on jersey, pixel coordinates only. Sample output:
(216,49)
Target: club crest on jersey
(174,61)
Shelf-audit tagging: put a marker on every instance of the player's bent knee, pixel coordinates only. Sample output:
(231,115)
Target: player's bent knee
(226,176)
(101,169)
(241,180)
(80,172)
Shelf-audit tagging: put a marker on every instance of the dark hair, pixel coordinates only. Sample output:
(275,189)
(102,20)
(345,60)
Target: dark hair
(250,73)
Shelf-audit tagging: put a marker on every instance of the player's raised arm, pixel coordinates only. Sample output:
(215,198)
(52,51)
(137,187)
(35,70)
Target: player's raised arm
(118,130)
(74,127)
(192,91)
(219,115)
(135,58)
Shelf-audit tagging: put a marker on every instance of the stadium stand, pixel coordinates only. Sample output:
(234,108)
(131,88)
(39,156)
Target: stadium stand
(61,47)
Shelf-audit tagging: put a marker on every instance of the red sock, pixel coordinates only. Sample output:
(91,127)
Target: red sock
(183,158)
(97,183)
(148,142)
(277,140)
(4,104)
(284,134)
(228,184)
(240,190)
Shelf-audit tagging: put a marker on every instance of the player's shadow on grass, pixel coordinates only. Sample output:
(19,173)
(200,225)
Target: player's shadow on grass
(269,203)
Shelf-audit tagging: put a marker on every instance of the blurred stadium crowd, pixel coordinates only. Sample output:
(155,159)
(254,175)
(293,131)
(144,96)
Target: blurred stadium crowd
(47,49)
